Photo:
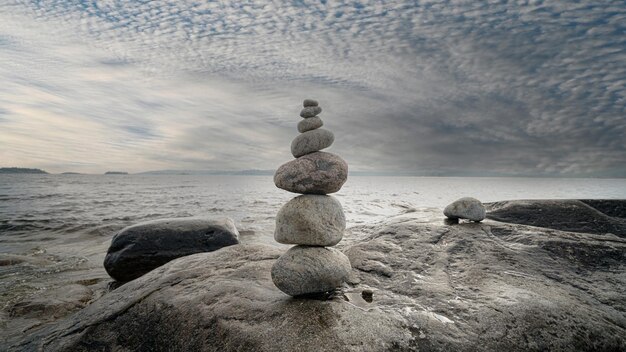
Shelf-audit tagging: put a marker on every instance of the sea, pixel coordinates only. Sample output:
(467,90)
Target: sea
(63,224)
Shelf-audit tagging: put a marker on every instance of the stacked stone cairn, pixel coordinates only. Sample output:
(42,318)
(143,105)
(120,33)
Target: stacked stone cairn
(314,221)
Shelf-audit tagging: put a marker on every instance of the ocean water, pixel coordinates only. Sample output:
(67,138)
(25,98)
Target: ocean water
(64,222)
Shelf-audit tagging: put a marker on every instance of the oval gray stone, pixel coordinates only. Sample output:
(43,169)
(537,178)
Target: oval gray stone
(466,208)
(309,124)
(304,270)
(311,141)
(315,173)
(140,248)
(311,219)
(310,111)
(310,102)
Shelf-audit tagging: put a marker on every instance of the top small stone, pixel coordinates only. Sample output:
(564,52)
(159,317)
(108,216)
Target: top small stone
(310,102)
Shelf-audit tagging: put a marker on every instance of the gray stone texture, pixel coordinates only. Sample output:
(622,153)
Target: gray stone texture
(315,173)
(137,249)
(465,208)
(467,287)
(305,270)
(310,124)
(310,111)
(310,102)
(591,216)
(310,219)
(311,141)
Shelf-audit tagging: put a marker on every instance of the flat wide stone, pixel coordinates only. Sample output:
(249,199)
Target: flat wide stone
(315,173)
(305,270)
(311,142)
(310,124)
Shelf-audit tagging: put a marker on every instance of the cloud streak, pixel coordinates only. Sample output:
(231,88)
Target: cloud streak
(438,87)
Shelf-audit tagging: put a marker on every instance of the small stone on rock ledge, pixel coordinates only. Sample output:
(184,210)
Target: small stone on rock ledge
(466,208)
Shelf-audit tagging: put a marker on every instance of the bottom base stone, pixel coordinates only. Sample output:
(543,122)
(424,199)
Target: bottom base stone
(307,270)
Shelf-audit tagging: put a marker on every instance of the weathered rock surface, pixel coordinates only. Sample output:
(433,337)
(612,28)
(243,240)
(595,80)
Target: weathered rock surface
(311,141)
(137,249)
(611,207)
(305,270)
(7,259)
(310,111)
(465,208)
(486,286)
(310,219)
(315,173)
(310,102)
(310,124)
(591,216)
(49,304)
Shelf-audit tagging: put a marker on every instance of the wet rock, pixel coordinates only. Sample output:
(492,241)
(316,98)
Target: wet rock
(465,208)
(51,304)
(311,141)
(368,295)
(234,306)
(310,111)
(310,102)
(137,249)
(567,215)
(314,220)
(315,173)
(610,207)
(305,270)
(466,287)
(310,124)
(7,259)
(496,287)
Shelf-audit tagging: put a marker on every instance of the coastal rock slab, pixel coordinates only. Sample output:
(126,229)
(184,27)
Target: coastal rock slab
(466,208)
(315,173)
(182,306)
(137,249)
(310,102)
(589,216)
(310,219)
(310,111)
(311,141)
(466,287)
(310,124)
(305,270)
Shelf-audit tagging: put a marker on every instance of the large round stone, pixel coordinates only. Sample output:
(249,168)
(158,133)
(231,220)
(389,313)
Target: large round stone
(312,123)
(140,248)
(315,173)
(465,208)
(310,111)
(310,219)
(304,270)
(311,141)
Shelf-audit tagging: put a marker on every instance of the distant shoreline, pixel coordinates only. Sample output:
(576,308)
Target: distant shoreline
(21,170)
(35,171)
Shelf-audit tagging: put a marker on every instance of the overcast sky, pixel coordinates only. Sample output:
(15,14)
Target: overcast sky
(434,87)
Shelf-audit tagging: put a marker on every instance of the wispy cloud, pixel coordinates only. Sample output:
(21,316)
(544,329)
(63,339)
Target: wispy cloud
(530,87)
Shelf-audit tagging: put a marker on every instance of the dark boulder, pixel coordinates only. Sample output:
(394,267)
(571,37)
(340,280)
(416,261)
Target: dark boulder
(566,215)
(137,249)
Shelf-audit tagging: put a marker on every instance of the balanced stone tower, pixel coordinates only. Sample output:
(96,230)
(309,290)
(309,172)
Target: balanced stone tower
(314,221)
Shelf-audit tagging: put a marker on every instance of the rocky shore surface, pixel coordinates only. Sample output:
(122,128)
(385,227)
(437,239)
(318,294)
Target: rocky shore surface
(533,276)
